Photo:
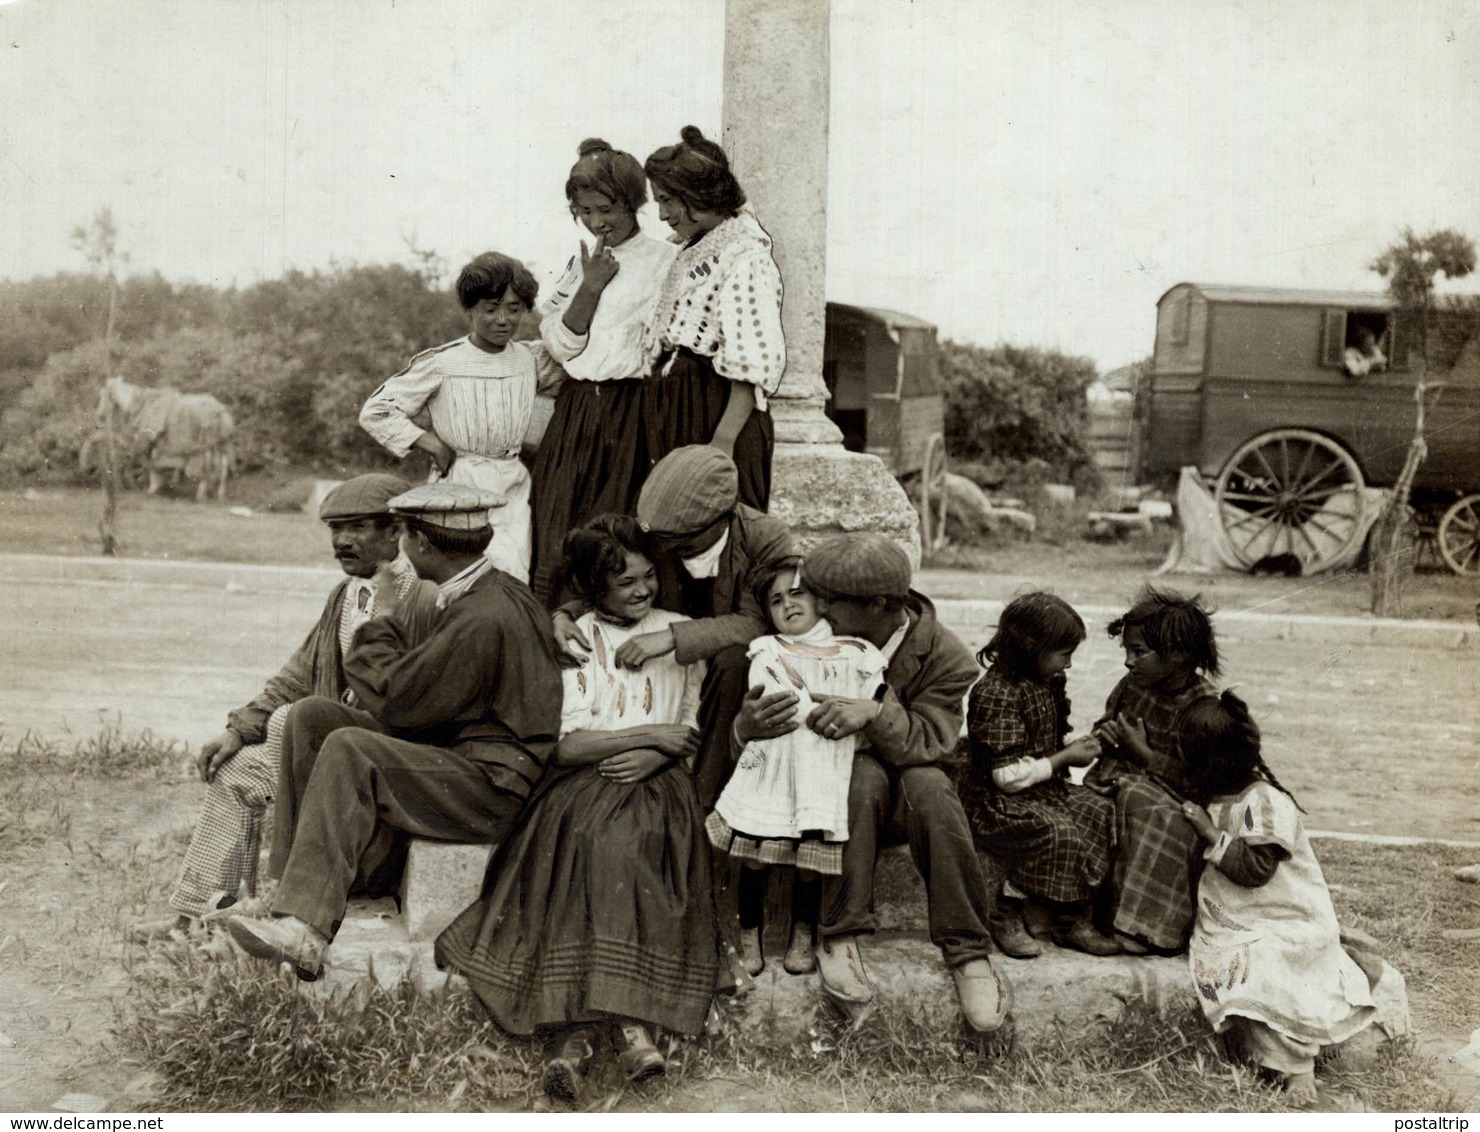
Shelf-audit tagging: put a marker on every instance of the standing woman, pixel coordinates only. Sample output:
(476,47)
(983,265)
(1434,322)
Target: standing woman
(590,461)
(716,336)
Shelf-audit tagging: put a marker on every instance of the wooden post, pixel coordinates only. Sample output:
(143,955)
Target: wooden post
(110,454)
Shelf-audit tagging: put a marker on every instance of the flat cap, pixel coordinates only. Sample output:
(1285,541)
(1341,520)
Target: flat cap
(862,565)
(454,506)
(362,497)
(687,490)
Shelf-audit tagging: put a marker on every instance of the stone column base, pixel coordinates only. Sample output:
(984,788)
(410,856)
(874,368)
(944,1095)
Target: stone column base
(822,489)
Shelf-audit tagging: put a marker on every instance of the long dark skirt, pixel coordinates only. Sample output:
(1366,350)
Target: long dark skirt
(684,406)
(590,462)
(600,904)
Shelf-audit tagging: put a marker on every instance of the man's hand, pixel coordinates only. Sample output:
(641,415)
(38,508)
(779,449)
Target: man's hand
(439,450)
(644,647)
(383,586)
(1198,817)
(676,740)
(632,767)
(838,717)
(214,754)
(765,716)
(570,643)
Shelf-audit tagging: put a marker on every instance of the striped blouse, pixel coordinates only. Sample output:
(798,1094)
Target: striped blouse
(479,402)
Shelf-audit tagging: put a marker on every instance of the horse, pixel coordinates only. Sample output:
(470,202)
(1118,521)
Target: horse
(173,434)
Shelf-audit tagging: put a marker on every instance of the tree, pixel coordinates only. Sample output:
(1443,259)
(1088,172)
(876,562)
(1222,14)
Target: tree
(98,242)
(1411,266)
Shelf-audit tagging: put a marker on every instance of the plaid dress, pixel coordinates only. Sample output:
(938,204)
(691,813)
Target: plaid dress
(1053,838)
(1158,855)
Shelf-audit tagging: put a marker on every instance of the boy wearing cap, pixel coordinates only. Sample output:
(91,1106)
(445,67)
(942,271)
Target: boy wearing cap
(479,392)
(240,766)
(690,503)
(455,733)
(898,793)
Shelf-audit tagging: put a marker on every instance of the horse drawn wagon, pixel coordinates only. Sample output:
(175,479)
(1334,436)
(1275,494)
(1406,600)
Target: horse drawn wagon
(1293,402)
(885,394)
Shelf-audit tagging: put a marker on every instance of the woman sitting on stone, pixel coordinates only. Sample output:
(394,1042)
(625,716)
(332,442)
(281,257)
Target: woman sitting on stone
(598,917)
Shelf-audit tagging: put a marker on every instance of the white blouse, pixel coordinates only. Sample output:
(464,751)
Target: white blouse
(479,402)
(613,346)
(722,299)
(599,696)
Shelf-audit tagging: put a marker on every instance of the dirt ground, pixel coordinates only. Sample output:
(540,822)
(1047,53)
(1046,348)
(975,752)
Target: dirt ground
(1373,738)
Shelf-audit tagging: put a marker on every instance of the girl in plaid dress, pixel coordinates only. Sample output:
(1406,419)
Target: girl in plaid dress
(1053,836)
(1169,643)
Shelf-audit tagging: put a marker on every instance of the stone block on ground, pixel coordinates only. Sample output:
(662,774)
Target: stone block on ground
(441,879)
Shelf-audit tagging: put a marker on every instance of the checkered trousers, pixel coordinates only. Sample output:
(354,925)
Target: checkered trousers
(227,841)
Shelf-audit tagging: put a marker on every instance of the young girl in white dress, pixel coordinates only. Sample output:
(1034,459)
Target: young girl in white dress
(1266,953)
(787,799)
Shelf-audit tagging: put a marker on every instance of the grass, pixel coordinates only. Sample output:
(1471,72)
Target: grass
(215,1031)
(34,770)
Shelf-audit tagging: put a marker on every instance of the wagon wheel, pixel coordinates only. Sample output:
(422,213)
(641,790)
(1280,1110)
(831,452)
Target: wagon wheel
(933,498)
(1459,536)
(1291,491)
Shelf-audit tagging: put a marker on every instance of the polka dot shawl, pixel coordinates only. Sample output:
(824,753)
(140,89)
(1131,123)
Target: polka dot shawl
(722,299)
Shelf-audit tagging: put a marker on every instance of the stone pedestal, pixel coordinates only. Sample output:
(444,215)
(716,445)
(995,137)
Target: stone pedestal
(775,133)
(440,880)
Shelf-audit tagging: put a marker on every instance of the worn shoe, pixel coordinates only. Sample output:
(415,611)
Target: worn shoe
(1012,938)
(1082,936)
(285,939)
(567,1066)
(636,1055)
(983,994)
(840,964)
(1130,946)
(752,956)
(248,907)
(801,956)
(151,931)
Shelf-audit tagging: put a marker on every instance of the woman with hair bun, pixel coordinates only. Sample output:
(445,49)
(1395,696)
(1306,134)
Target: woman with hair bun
(590,461)
(716,340)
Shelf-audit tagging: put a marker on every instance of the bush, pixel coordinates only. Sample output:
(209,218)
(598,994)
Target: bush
(1018,416)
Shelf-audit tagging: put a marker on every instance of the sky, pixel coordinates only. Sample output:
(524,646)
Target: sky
(1036,173)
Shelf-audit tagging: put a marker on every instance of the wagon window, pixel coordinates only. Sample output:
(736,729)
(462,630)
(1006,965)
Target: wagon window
(1344,329)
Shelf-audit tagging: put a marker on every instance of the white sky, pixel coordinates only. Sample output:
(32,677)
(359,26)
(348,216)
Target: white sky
(1036,172)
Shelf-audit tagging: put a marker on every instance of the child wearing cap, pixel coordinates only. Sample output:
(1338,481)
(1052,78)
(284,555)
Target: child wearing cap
(479,392)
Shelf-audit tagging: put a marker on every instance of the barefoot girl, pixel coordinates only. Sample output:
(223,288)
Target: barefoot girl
(1168,641)
(590,460)
(787,799)
(1053,836)
(599,919)
(1266,955)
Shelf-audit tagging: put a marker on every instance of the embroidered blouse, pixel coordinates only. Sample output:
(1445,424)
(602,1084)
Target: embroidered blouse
(722,299)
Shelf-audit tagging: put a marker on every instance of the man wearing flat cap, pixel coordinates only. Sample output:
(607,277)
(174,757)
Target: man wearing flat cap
(454,732)
(240,766)
(710,543)
(899,792)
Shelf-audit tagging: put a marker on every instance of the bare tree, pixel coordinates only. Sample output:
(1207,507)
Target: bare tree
(1411,267)
(98,243)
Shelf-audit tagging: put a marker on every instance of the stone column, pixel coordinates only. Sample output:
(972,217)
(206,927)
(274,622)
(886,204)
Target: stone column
(775,133)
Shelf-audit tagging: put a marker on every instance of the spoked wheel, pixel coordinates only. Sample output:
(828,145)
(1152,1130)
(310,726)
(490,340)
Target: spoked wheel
(1459,536)
(1291,491)
(933,499)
